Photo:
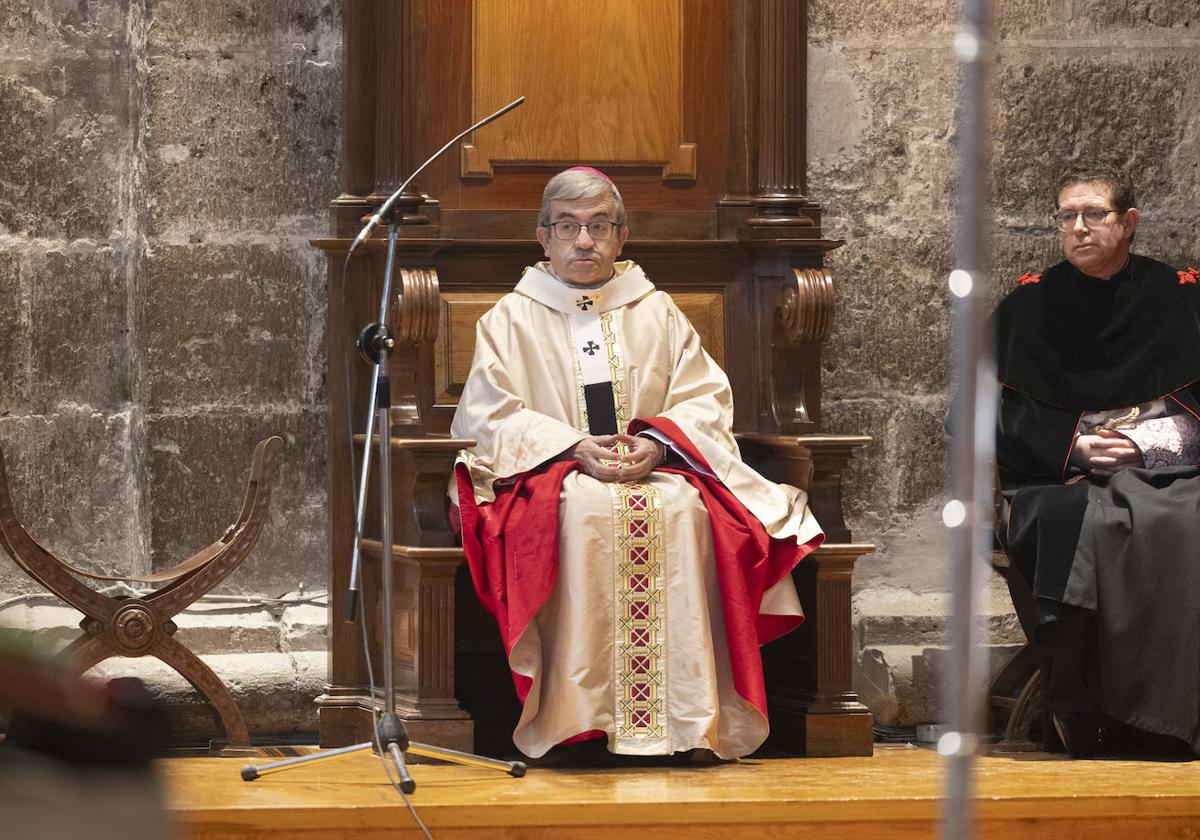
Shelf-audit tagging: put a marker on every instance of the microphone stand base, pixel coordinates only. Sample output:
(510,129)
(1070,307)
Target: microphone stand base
(398,755)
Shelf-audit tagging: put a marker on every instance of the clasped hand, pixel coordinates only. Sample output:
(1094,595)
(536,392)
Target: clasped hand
(597,458)
(1104,453)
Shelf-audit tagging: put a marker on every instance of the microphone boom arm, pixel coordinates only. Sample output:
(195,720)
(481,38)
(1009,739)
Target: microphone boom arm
(386,207)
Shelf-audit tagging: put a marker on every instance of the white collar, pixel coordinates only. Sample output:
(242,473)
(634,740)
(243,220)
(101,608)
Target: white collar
(626,286)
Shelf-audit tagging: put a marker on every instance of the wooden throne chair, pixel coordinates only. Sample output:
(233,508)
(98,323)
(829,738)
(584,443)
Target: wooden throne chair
(144,625)
(697,111)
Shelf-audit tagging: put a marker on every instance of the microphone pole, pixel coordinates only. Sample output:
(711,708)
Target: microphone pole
(389,734)
(374,342)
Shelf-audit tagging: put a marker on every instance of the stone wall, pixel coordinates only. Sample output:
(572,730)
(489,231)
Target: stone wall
(1073,79)
(163,164)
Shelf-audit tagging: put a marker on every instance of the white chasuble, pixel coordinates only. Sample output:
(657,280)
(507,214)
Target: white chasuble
(630,639)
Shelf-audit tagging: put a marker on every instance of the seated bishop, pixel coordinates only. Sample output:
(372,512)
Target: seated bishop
(633,562)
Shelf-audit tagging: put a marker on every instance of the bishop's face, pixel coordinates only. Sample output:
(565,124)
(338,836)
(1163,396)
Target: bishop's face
(583,260)
(1101,249)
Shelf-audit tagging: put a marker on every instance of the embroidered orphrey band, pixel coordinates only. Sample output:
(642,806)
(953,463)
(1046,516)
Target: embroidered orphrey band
(641,671)
(616,366)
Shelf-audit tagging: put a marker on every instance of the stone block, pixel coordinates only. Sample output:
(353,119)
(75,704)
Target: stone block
(1015,252)
(1045,117)
(42,23)
(933,23)
(920,451)
(1014,19)
(79,333)
(886,614)
(1178,15)
(903,685)
(912,553)
(870,477)
(898,175)
(247,142)
(234,325)
(231,24)
(219,624)
(835,92)
(74,481)
(198,468)
(65,146)
(14,327)
(216,624)
(846,20)
(1177,244)
(902,468)
(275,692)
(65,327)
(891,328)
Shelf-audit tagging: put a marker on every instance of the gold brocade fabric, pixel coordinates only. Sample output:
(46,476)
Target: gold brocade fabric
(631,641)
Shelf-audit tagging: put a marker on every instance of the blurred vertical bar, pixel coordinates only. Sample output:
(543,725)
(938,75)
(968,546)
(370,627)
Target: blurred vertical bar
(968,514)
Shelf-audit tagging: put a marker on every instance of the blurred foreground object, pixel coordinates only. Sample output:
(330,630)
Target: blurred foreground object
(145,626)
(76,760)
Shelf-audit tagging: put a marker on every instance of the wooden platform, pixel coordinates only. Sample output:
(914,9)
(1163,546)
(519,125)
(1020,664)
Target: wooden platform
(893,795)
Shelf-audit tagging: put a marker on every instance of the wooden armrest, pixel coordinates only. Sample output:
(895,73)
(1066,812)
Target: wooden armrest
(814,463)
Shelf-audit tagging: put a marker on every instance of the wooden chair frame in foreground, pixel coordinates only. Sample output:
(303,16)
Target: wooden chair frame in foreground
(143,626)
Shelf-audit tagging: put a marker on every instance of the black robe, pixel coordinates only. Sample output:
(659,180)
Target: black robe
(1106,574)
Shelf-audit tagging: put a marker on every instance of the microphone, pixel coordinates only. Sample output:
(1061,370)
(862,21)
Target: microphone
(382,212)
(352,589)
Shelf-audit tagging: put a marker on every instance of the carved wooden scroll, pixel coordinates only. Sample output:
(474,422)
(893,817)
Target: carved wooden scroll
(803,315)
(416,313)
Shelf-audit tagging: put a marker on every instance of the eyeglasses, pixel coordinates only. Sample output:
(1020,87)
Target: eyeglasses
(1092,217)
(599,231)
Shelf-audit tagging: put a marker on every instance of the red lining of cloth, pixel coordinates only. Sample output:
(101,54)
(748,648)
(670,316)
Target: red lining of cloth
(590,735)
(511,547)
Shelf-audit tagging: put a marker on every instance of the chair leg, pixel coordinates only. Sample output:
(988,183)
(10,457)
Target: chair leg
(85,653)
(204,680)
(1015,698)
(1024,715)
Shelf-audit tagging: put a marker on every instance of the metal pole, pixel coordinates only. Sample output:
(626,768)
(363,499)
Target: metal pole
(968,513)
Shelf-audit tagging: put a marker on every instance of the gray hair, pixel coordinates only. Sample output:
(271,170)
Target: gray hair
(573,184)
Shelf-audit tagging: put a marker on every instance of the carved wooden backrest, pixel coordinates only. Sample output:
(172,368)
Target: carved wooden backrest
(455,343)
(696,109)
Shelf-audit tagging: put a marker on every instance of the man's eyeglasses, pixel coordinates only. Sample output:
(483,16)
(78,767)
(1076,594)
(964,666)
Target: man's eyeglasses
(1092,217)
(599,231)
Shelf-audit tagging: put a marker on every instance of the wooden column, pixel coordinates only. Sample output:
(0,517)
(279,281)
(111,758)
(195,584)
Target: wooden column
(358,100)
(782,75)
(810,674)
(814,709)
(400,105)
(357,177)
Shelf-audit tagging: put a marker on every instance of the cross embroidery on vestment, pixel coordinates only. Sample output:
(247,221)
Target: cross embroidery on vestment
(590,348)
(584,302)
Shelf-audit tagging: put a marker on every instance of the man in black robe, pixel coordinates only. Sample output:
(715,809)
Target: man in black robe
(1097,446)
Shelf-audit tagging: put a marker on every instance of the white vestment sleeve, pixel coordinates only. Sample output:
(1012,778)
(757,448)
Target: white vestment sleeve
(510,438)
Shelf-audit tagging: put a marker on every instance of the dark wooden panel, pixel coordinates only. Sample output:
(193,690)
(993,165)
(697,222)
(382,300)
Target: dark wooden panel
(706,80)
(607,85)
